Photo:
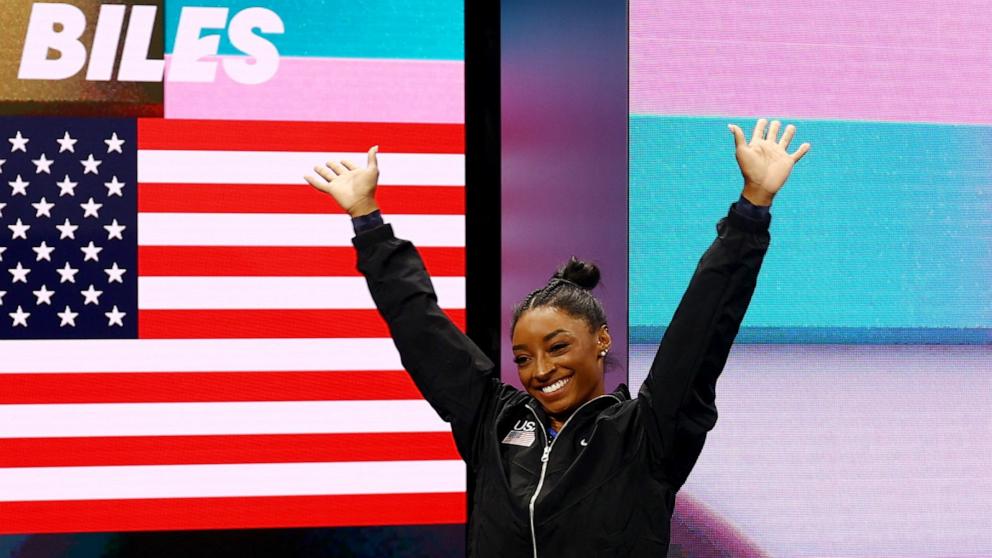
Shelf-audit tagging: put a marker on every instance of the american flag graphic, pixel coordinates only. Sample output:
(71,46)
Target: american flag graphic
(185,342)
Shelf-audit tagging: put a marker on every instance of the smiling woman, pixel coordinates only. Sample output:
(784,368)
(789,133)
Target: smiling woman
(563,468)
(560,341)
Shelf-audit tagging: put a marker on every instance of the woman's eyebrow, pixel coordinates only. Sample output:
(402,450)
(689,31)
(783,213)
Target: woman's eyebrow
(546,339)
(553,333)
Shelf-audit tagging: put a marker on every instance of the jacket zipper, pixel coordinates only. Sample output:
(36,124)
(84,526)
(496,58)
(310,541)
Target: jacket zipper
(544,460)
(540,481)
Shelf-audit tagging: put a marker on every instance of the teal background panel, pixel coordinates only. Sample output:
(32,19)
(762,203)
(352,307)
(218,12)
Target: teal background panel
(882,227)
(404,29)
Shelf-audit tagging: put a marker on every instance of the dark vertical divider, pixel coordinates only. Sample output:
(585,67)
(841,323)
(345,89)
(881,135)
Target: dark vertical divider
(482,181)
(482,174)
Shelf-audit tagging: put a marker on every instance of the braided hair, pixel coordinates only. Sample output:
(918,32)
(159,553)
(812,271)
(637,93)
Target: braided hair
(568,290)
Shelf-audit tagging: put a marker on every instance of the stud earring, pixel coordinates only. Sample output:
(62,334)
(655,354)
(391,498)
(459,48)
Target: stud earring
(602,353)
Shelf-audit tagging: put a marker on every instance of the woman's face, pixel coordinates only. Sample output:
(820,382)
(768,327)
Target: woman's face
(558,358)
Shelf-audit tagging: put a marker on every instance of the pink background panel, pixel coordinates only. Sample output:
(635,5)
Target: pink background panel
(330,89)
(888,61)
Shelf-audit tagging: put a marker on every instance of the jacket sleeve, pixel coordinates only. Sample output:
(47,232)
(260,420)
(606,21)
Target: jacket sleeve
(451,372)
(678,396)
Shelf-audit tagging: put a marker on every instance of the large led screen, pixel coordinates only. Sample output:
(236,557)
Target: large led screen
(855,406)
(185,342)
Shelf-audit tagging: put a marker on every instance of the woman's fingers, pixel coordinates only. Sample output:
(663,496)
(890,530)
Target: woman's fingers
(759,130)
(739,140)
(787,136)
(373,162)
(773,130)
(317,183)
(325,173)
(336,167)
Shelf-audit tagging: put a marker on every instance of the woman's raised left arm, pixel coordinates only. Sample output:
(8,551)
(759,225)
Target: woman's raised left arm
(679,392)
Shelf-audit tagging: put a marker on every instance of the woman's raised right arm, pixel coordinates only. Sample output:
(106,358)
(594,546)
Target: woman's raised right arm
(452,373)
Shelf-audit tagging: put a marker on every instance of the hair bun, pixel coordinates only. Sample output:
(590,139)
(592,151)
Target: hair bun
(582,273)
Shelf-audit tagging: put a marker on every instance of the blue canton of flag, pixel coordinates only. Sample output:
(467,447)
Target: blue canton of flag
(68,228)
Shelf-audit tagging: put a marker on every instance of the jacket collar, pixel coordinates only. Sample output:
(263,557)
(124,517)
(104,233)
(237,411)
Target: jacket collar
(594,405)
(622,392)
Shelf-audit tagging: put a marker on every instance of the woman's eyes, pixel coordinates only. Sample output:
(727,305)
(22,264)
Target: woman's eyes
(557,347)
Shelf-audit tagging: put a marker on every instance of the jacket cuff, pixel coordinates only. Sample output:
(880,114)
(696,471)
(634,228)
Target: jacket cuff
(374,236)
(741,221)
(367,222)
(757,212)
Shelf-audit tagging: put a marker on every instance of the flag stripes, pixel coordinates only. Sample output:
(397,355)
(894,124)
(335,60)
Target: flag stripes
(224,480)
(258,135)
(166,387)
(187,419)
(280,229)
(278,167)
(267,261)
(233,513)
(292,198)
(274,292)
(198,355)
(267,324)
(243,448)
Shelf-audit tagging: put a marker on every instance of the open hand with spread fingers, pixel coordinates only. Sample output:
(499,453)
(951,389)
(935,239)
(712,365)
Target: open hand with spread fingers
(351,187)
(764,161)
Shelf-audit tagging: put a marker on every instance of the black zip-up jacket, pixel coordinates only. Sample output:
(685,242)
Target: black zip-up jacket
(606,485)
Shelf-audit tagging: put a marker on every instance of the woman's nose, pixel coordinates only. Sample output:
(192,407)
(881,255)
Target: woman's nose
(545,368)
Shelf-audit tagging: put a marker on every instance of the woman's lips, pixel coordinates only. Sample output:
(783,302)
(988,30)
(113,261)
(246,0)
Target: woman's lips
(556,388)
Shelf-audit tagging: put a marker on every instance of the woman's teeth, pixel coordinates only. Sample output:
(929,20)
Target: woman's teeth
(556,386)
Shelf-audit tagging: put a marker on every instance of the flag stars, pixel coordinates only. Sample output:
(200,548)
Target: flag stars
(19,273)
(19,186)
(90,165)
(67,274)
(43,207)
(67,230)
(68,317)
(67,187)
(67,143)
(115,274)
(91,251)
(20,317)
(37,298)
(43,295)
(114,187)
(43,251)
(43,164)
(18,143)
(91,209)
(115,317)
(92,296)
(19,230)
(114,144)
(115,230)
